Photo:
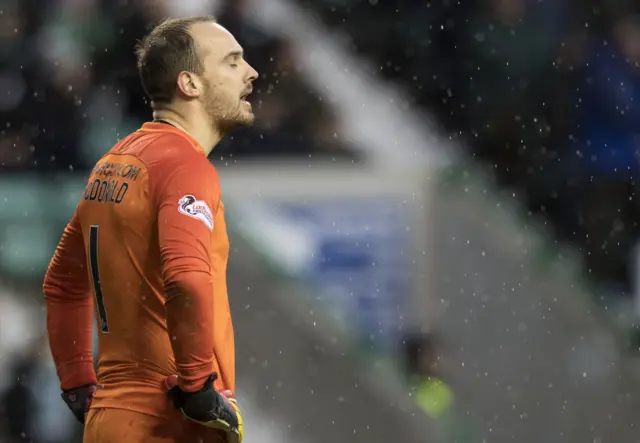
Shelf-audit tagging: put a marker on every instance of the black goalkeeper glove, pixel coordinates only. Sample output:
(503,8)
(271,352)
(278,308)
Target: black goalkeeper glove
(79,400)
(208,407)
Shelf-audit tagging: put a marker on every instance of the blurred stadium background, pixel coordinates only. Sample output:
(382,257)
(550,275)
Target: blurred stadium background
(435,225)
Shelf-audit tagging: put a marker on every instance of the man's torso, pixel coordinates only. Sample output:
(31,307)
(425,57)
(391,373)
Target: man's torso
(120,227)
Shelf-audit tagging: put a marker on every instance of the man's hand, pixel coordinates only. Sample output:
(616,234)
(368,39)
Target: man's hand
(79,400)
(217,410)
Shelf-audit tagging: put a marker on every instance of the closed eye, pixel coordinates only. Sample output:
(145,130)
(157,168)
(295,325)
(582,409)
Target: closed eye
(234,57)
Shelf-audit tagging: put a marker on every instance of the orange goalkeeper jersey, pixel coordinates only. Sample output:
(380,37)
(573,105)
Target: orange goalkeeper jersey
(147,252)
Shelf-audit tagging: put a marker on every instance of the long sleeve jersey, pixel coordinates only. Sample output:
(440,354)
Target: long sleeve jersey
(147,251)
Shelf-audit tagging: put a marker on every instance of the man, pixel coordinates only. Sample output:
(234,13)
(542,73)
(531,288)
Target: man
(148,247)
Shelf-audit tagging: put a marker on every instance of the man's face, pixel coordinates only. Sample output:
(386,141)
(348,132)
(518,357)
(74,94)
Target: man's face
(227,77)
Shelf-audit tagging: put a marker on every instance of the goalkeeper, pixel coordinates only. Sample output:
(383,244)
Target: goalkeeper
(147,250)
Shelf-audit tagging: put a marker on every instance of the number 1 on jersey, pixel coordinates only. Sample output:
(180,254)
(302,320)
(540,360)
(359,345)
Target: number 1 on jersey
(95,277)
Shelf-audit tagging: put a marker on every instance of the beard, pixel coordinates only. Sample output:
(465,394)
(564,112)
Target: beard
(225,112)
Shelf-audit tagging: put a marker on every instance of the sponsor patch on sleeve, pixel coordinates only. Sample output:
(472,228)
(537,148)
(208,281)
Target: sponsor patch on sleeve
(198,209)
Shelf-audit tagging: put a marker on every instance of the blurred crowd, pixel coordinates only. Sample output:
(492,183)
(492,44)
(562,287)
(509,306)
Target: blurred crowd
(545,92)
(70,86)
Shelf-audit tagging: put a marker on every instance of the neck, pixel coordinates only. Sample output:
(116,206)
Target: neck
(196,125)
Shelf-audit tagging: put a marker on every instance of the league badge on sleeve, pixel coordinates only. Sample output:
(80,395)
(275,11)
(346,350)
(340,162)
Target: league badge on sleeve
(198,209)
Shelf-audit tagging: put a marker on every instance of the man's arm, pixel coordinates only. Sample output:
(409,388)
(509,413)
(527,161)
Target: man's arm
(187,194)
(70,310)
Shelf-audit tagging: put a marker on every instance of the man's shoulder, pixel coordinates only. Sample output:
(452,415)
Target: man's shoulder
(164,155)
(172,159)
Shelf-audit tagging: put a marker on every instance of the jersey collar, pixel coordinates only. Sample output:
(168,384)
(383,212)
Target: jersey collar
(165,127)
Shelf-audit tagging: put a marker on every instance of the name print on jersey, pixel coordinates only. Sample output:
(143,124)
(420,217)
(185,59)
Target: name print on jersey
(112,182)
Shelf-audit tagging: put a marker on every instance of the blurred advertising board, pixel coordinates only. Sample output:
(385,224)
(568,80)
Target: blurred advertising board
(353,249)
(349,232)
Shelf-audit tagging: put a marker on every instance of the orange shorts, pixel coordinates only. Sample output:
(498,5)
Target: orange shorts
(106,425)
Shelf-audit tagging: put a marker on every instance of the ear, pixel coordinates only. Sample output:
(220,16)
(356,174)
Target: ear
(189,84)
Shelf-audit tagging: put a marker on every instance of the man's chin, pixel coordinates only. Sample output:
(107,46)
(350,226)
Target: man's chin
(244,120)
(249,120)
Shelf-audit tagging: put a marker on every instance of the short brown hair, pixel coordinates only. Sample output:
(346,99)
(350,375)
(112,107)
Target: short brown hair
(166,51)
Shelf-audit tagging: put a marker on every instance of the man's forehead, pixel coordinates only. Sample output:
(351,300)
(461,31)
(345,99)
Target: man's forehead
(213,38)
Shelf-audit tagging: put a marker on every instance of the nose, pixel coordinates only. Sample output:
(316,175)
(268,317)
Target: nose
(253,74)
